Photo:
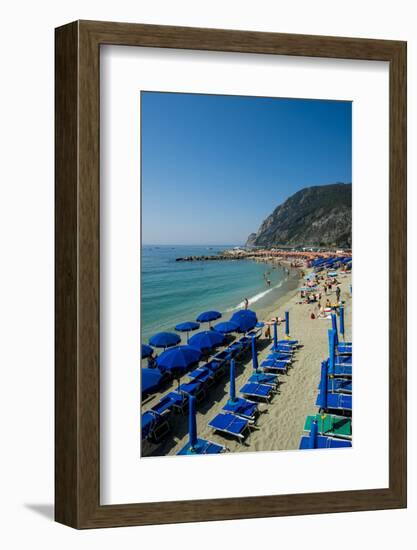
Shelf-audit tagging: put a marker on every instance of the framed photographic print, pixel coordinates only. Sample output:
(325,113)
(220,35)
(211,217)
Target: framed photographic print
(230,274)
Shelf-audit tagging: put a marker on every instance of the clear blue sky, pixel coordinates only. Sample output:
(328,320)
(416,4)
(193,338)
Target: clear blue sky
(213,167)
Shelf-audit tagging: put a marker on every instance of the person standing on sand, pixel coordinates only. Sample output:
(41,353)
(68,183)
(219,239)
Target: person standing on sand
(338,293)
(268,332)
(246,302)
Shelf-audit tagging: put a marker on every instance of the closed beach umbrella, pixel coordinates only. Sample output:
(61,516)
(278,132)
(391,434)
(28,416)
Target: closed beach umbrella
(226,327)
(187,327)
(178,359)
(332,350)
(150,380)
(196,446)
(192,423)
(342,321)
(232,381)
(287,323)
(334,327)
(275,335)
(322,398)
(208,316)
(164,340)
(146,351)
(206,340)
(254,354)
(312,440)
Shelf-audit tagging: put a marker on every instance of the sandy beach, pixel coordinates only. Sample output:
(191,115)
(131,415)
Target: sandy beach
(280,424)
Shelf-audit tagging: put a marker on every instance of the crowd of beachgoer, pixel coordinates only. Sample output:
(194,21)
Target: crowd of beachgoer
(317,290)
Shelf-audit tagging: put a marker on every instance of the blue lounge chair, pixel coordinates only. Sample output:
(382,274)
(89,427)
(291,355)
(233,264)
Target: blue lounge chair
(230,424)
(340,385)
(275,366)
(194,388)
(293,344)
(154,426)
(280,357)
(344,349)
(316,441)
(331,401)
(224,355)
(202,447)
(343,360)
(236,348)
(338,402)
(264,378)
(257,391)
(334,383)
(171,401)
(281,350)
(243,408)
(216,367)
(203,375)
(324,442)
(343,370)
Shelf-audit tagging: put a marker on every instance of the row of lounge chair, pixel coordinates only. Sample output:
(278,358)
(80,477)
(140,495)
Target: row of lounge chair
(155,422)
(332,426)
(239,414)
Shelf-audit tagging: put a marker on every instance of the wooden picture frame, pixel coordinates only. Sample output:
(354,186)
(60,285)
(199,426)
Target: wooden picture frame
(77,372)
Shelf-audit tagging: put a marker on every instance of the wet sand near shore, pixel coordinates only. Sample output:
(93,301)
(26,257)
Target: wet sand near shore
(280,424)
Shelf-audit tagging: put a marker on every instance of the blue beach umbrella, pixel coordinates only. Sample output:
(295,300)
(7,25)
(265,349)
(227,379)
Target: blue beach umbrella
(245,319)
(187,327)
(226,327)
(208,316)
(342,321)
(164,340)
(206,340)
(244,313)
(150,380)
(178,359)
(146,351)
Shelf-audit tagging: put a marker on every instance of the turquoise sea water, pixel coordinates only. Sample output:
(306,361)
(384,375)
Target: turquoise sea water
(173,292)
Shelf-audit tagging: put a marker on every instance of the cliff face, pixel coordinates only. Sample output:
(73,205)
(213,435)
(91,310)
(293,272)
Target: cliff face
(315,216)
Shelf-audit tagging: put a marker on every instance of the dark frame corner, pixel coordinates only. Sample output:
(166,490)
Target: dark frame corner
(77,274)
